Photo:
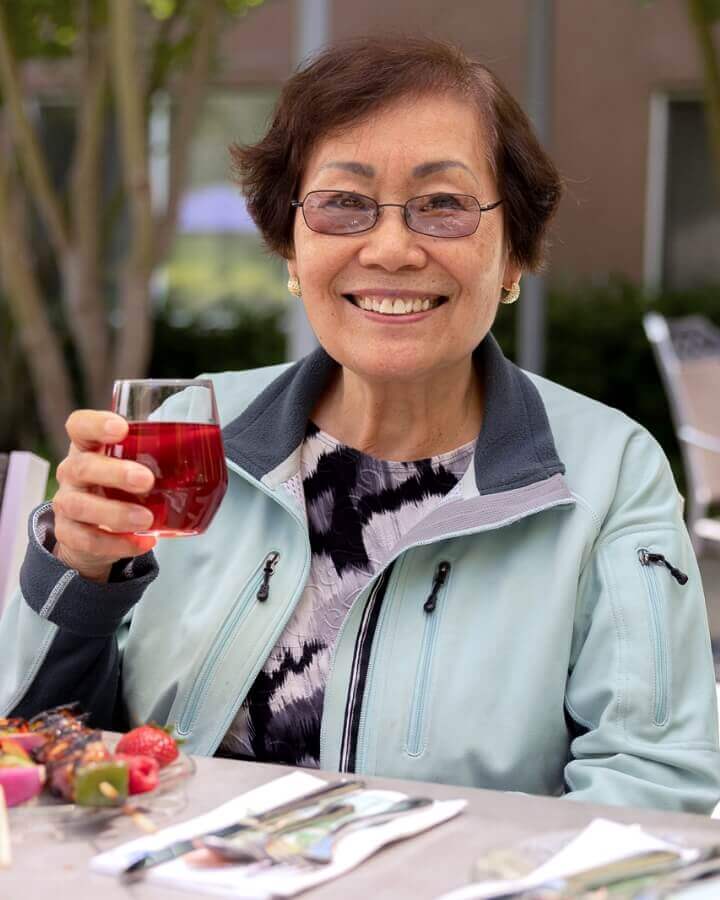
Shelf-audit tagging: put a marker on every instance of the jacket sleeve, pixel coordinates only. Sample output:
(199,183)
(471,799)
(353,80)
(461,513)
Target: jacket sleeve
(59,636)
(641,688)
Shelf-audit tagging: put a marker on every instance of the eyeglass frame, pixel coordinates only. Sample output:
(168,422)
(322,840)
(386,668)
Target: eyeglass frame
(300,204)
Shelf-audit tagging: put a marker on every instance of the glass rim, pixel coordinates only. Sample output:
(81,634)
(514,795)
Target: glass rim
(164,382)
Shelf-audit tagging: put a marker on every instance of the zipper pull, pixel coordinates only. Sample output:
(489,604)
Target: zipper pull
(268,570)
(439,580)
(646,558)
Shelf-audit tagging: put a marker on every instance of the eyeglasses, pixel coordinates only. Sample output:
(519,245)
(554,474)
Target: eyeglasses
(436,215)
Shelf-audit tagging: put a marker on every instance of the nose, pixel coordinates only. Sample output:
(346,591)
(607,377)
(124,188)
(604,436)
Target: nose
(391,245)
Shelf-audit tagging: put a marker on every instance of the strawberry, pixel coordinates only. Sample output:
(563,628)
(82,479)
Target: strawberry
(142,772)
(149,740)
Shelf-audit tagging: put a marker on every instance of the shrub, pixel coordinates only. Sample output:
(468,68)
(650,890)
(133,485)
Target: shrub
(596,345)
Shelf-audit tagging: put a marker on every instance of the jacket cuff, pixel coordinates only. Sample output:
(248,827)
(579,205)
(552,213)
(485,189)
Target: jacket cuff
(73,603)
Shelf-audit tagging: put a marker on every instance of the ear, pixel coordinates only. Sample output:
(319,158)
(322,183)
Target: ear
(512,273)
(292,268)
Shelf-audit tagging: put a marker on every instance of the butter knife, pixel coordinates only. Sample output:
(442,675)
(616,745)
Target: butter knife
(152,858)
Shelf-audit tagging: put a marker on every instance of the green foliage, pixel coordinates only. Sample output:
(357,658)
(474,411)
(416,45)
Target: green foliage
(45,28)
(711,10)
(596,345)
(49,28)
(226,337)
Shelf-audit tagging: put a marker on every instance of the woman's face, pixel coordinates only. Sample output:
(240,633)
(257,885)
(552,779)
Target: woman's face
(414,147)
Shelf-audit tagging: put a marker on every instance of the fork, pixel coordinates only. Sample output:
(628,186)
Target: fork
(257,847)
(321,852)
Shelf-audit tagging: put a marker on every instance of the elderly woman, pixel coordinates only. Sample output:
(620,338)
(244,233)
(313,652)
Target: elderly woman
(471,575)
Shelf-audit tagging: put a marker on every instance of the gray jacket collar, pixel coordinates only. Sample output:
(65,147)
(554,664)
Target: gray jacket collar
(515,446)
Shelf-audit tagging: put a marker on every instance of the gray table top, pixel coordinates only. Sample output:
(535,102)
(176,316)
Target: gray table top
(48,865)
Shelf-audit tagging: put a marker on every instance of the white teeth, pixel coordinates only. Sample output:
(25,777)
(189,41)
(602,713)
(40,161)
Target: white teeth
(394,306)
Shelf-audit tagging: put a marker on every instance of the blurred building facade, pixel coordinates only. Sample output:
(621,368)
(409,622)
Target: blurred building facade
(628,135)
(628,130)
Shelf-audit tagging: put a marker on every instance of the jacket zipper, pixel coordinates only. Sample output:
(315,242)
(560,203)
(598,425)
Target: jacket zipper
(359,673)
(648,560)
(349,748)
(268,570)
(414,742)
(232,622)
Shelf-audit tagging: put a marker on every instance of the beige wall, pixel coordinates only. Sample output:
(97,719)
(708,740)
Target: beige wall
(609,57)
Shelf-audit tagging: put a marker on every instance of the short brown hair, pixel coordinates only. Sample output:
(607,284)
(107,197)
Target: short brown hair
(351,80)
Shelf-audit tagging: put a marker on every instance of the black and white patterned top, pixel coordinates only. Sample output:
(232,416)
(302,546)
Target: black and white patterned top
(358,508)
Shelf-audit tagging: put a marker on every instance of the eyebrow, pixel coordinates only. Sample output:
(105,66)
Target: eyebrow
(421,171)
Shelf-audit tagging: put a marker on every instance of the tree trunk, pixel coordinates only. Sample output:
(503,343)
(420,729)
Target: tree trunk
(132,352)
(85,306)
(48,371)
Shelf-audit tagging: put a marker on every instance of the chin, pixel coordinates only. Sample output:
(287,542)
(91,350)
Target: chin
(389,364)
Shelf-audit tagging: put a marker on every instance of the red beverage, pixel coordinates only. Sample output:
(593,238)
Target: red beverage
(188,462)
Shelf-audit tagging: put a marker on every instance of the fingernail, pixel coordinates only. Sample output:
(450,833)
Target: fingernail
(138,478)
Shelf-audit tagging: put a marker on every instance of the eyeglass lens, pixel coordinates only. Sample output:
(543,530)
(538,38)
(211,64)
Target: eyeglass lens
(437,215)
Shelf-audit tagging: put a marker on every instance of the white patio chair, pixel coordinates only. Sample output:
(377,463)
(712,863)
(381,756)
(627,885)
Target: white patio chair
(687,351)
(23,480)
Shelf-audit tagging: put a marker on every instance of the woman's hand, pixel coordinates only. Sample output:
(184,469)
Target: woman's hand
(84,519)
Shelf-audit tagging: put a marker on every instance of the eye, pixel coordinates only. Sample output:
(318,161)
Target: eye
(442,201)
(345,200)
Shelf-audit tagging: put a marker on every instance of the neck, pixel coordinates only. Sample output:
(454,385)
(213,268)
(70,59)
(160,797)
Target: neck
(403,420)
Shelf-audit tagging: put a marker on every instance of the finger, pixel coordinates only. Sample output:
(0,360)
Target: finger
(89,429)
(93,469)
(92,509)
(100,546)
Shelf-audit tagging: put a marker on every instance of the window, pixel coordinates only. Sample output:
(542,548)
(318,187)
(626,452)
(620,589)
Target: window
(683,210)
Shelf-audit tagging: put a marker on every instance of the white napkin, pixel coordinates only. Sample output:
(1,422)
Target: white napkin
(603,841)
(252,882)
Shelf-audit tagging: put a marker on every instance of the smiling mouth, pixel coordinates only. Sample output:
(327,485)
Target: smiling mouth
(396,306)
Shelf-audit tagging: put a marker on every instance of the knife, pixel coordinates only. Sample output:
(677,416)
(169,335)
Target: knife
(651,863)
(260,822)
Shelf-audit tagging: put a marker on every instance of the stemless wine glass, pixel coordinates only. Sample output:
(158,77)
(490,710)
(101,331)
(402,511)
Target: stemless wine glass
(175,432)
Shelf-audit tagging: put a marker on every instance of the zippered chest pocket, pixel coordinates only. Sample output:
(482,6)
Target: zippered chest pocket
(655,570)
(432,610)
(256,590)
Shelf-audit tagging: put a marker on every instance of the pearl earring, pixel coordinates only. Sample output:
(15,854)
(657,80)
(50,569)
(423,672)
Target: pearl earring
(293,286)
(513,292)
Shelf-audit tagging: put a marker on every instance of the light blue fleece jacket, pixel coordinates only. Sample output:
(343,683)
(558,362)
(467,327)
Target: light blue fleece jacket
(563,655)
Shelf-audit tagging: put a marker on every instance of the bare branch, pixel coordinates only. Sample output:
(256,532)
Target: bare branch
(48,370)
(160,64)
(28,148)
(192,90)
